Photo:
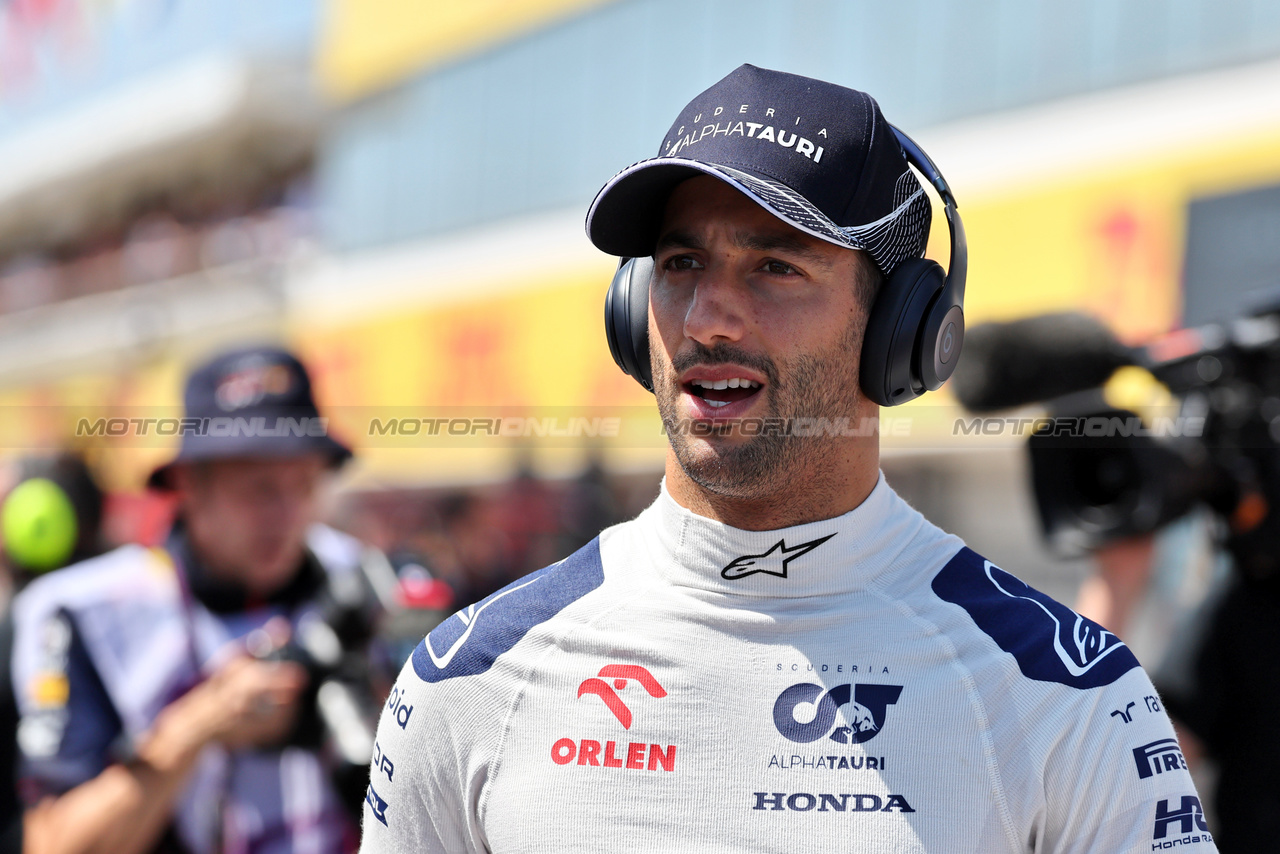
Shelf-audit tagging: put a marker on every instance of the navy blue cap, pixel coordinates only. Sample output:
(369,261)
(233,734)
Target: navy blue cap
(252,402)
(818,156)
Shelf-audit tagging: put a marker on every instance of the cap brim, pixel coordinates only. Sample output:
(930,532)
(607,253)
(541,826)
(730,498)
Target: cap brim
(238,448)
(627,212)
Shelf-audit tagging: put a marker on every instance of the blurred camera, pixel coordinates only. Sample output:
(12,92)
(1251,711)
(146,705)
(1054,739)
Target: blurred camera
(1101,473)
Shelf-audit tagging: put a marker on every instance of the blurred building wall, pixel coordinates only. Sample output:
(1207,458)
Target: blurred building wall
(448,273)
(542,120)
(135,135)
(367,44)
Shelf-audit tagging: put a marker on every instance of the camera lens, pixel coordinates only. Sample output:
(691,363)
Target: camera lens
(1104,480)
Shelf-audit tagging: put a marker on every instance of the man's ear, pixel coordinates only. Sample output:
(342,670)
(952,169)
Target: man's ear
(188,479)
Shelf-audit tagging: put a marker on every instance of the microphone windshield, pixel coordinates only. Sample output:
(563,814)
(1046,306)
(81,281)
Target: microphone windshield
(1038,358)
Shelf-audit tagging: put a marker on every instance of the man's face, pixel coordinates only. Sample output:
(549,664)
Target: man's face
(247,518)
(739,296)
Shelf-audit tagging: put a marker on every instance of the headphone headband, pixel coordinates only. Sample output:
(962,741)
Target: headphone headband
(958,265)
(917,158)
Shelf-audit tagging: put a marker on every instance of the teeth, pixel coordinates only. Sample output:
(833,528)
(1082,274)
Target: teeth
(718,403)
(736,382)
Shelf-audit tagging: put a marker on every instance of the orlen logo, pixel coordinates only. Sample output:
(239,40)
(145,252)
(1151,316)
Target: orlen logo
(620,674)
(639,756)
(864,717)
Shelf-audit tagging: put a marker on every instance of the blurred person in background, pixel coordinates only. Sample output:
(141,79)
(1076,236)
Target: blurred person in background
(478,553)
(587,509)
(149,717)
(50,517)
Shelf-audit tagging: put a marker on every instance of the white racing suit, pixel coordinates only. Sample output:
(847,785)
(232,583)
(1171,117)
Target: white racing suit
(864,683)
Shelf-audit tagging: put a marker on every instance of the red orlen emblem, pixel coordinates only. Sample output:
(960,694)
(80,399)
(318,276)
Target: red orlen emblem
(602,753)
(620,674)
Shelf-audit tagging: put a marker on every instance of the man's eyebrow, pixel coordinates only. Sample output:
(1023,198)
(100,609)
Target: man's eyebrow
(679,240)
(754,242)
(786,242)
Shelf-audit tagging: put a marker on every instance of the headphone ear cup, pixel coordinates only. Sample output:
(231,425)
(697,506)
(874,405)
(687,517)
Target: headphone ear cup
(626,319)
(889,371)
(941,342)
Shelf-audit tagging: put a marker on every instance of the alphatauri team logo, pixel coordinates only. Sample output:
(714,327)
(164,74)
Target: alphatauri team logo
(772,562)
(864,706)
(610,684)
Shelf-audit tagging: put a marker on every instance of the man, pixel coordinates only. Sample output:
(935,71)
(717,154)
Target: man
(779,654)
(146,723)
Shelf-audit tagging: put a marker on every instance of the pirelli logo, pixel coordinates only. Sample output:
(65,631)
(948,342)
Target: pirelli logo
(1158,757)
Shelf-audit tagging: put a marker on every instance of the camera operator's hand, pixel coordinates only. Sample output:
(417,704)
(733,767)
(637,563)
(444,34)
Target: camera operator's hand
(1113,593)
(248,703)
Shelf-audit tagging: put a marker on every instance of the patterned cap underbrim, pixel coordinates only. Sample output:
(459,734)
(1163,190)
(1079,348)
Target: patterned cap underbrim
(893,238)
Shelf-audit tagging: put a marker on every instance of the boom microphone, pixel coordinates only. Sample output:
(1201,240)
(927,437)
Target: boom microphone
(1039,358)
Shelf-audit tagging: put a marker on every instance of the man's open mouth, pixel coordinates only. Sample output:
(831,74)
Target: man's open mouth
(719,393)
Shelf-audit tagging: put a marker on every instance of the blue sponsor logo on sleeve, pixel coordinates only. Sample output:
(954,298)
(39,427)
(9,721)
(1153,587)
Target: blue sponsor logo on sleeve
(467,643)
(376,804)
(1159,756)
(1050,642)
(1185,821)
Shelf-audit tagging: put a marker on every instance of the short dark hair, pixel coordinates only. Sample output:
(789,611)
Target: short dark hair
(869,281)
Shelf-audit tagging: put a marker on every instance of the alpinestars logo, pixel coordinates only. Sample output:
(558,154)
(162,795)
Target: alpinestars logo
(864,717)
(604,753)
(772,562)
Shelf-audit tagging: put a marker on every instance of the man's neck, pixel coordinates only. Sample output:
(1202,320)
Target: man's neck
(845,480)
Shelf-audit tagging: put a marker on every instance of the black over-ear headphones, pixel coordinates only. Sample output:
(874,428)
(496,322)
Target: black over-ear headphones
(914,332)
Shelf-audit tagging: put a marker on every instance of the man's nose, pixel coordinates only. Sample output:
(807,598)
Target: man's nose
(715,312)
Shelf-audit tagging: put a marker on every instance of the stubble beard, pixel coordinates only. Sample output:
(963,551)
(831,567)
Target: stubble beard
(821,385)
